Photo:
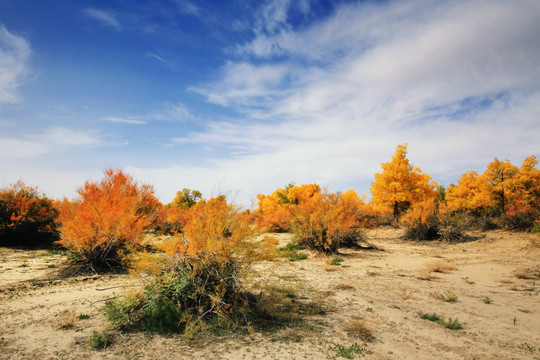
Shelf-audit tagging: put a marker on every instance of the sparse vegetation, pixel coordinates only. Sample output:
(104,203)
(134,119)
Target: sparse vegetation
(335,262)
(99,340)
(448,296)
(359,329)
(348,352)
(451,324)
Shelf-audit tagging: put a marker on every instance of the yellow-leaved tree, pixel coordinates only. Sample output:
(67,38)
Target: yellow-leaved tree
(400,185)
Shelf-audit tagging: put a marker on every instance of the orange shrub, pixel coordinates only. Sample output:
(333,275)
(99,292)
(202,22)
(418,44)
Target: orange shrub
(214,227)
(327,221)
(108,220)
(274,211)
(26,217)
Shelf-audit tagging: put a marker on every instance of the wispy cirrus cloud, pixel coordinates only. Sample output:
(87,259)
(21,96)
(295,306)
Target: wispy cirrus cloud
(14,55)
(124,120)
(106,18)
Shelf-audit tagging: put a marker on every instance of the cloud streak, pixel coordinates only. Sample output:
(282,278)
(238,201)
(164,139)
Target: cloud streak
(14,54)
(105,18)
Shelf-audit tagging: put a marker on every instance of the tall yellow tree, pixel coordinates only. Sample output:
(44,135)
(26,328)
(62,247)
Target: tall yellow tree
(502,179)
(470,194)
(400,185)
(529,181)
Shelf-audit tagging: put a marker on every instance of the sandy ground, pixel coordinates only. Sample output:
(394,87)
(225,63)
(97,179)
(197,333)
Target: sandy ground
(496,285)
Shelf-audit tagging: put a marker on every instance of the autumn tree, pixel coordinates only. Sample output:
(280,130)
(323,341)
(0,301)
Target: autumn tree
(186,198)
(470,194)
(502,180)
(327,221)
(274,211)
(26,216)
(108,220)
(400,184)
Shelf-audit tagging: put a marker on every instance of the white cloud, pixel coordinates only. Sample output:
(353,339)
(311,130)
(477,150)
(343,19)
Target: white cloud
(20,148)
(14,54)
(124,120)
(458,81)
(106,18)
(69,137)
(51,140)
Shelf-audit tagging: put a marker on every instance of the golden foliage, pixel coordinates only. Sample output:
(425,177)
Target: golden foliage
(108,219)
(274,211)
(215,227)
(327,221)
(400,185)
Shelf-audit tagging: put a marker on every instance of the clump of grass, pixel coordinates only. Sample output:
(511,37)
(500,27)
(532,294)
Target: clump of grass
(448,296)
(344,286)
(371,273)
(83,317)
(406,294)
(437,266)
(99,340)
(297,256)
(430,317)
(66,319)
(359,329)
(335,262)
(451,324)
(348,352)
(290,251)
(466,279)
(487,300)
(440,266)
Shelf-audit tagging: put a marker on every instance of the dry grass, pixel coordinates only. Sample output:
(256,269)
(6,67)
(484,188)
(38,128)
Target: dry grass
(436,266)
(406,294)
(359,329)
(528,274)
(448,296)
(65,319)
(439,266)
(344,286)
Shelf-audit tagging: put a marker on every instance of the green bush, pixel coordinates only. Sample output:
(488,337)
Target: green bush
(188,292)
(99,340)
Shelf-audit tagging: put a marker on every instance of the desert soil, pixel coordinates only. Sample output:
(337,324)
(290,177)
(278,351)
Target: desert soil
(495,284)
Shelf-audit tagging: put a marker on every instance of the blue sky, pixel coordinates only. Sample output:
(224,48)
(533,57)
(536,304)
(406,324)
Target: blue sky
(243,97)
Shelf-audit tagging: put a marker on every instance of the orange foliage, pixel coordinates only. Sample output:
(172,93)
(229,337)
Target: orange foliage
(274,211)
(400,185)
(471,193)
(326,221)
(108,219)
(214,227)
(26,217)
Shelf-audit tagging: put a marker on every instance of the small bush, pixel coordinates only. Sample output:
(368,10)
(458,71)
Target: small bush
(108,221)
(360,330)
(27,218)
(452,324)
(200,278)
(99,340)
(65,319)
(326,222)
(186,292)
(520,218)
